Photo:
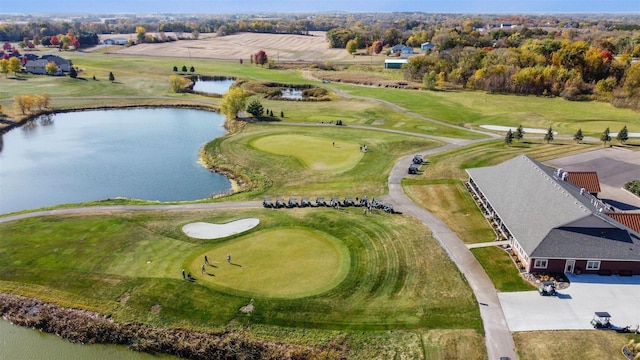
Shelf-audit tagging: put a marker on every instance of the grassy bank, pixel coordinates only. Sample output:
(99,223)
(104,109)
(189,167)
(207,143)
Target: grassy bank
(398,278)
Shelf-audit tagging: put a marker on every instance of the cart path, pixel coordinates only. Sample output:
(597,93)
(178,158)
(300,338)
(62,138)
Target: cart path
(498,338)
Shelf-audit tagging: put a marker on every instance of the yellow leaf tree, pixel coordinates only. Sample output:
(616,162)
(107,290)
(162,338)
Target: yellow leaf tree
(233,102)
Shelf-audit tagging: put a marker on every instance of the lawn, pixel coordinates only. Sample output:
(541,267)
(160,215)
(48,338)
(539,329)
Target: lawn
(281,263)
(323,155)
(396,278)
(472,109)
(571,345)
(284,166)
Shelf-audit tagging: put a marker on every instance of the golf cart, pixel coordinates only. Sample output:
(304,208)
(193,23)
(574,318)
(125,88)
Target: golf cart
(601,320)
(413,169)
(547,288)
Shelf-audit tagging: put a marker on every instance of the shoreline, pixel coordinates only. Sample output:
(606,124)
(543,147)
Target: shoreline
(238,184)
(86,327)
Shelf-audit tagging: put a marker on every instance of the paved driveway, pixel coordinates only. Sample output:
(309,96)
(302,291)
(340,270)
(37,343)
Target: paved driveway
(573,308)
(615,167)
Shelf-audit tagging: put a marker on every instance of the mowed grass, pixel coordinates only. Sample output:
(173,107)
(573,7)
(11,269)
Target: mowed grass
(571,345)
(316,153)
(397,277)
(472,109)
(284,263)
(289,176)
(451,202)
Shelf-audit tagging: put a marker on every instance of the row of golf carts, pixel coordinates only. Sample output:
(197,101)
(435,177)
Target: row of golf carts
(335,202)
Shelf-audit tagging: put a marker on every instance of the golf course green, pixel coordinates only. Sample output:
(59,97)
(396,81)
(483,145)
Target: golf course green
(316,153)
(284,263)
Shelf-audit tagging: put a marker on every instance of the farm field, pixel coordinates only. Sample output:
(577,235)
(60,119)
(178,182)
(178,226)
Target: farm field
(393,294)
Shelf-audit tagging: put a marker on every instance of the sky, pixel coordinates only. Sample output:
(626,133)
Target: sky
(293,6)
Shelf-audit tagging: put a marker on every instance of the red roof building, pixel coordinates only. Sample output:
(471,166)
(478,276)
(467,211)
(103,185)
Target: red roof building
(587,180)
(630,220)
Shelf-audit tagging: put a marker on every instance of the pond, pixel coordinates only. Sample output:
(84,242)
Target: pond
(291,94)
(20,343)
(218,86)
(149,154)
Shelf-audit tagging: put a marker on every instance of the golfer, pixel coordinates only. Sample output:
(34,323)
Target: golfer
(229,258)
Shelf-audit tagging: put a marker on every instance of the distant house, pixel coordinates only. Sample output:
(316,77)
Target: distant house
(394,63)
(63,64)
(39,67)
(426,47)
(115,41)
(552,224)
(403,50)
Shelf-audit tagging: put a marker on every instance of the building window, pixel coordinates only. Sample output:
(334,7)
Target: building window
(541,263)
(593,265)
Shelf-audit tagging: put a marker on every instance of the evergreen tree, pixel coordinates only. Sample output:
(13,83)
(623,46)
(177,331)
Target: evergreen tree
(508,139)
(623,135)
(281,113)
(184,68)
(73,73)
(255,108)
(605,137)
(192,69)
(548,137)
(175,68)
(111,77)
(578,135)
(519,134)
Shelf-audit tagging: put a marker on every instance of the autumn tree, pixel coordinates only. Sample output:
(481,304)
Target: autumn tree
(260,58)
(4,67)
(352,47)
(24,103)
(429,80)
(14,65)
(548,137)
(605,137)
(141,34)
(42,101)
(233,102)
(178,84)
(623,135)
(255,108)
(578,136)
(51,68)
(377,47)
(632,80)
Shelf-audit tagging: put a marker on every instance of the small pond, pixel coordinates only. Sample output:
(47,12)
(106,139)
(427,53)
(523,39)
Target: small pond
(213,86)
(21,343)
(291,94)
(149,154)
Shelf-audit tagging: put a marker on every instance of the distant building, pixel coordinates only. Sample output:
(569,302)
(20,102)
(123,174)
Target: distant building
(426,47)
(63,64)
(402,50)
(39,67)
(394,63)
(115,41)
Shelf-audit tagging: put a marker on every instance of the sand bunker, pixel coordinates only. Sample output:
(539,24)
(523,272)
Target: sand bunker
(203,230)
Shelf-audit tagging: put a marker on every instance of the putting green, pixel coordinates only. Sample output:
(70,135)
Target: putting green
(282,263)
(316,153)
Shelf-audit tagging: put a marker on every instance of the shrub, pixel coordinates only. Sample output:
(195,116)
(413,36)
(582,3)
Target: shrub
(633,187)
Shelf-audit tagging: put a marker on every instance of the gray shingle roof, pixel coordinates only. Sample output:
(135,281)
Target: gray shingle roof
(589,243)
(530,200)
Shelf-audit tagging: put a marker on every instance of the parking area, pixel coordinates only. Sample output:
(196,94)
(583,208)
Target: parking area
(615,167)
(574,307)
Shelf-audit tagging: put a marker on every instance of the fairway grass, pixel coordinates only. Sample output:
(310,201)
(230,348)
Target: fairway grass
(284,263)
(316,153)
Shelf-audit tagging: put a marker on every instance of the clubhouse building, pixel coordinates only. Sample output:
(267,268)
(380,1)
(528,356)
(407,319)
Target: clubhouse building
(554,220)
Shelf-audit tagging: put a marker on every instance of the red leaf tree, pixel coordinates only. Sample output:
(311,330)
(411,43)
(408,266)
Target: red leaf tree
(261,57)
